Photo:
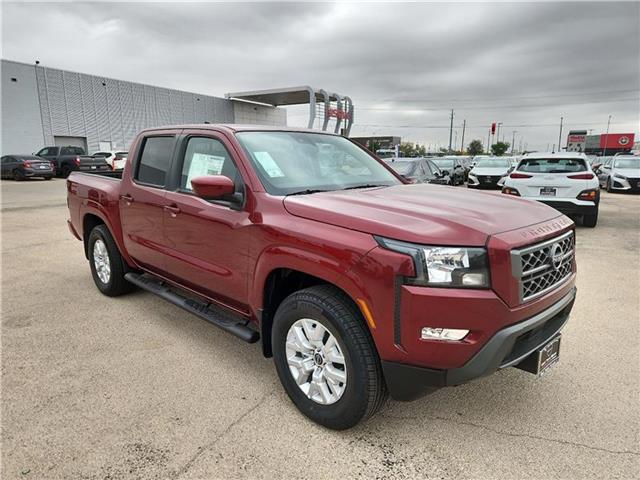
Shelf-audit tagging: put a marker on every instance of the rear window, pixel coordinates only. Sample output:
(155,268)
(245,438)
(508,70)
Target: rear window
(552,165)
(121,155)
(155,160)
(403,168)
(72,151)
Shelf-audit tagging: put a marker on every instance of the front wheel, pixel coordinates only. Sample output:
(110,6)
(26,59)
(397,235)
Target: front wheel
(107,265)
(326,359)
(609,189)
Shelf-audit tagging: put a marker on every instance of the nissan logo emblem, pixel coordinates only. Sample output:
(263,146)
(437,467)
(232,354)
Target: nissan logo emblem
(555,256)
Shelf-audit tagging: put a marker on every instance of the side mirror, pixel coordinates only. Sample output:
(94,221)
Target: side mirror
(212,187)
(445,172)
(511,169)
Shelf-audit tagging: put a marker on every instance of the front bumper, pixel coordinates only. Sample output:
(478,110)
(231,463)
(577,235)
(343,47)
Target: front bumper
(509,346)
(625,184)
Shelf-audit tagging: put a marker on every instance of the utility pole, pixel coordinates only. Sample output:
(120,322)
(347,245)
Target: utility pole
(451,131)
(560,135)
(513,140)
(464,126)
(498,132)
(606,138)
(488,140)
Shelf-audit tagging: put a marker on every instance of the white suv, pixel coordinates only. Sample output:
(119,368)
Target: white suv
(563,181)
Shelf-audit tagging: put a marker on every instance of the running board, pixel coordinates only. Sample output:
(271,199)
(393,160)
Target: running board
(234,324)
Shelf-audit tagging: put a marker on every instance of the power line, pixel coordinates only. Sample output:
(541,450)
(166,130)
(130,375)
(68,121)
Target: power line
(494,107)
(484,98)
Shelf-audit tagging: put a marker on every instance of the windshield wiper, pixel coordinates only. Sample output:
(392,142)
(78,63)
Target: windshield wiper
(307,192)
(364,186)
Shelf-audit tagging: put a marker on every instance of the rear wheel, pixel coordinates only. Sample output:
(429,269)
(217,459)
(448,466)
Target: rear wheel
(18,176)
(325,358)
(66,171)
(107,265)
(590,220)
(47,178)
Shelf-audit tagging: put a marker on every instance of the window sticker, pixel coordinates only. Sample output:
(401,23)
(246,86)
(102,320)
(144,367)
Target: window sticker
(269,164)
(203,164)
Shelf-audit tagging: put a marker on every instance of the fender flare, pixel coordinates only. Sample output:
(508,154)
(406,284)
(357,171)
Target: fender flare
(92,207)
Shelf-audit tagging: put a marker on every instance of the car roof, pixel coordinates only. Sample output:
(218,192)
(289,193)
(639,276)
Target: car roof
(234,128)
(581,156)
(23,155)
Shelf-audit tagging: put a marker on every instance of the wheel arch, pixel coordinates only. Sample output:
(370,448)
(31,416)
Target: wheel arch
(282,281)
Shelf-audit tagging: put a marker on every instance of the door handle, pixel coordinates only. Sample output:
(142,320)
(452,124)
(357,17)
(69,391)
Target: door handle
(172,209)
(127,198)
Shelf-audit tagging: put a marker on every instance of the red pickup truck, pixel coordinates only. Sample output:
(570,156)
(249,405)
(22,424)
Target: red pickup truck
(358,284)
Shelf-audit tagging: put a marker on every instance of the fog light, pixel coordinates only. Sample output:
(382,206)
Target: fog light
(429,333)
(474,279)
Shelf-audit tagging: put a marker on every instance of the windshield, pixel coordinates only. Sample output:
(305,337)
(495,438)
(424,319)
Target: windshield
(443,162)
(293,162)
(629,162)
(493,163)
(403,168)
(552,165)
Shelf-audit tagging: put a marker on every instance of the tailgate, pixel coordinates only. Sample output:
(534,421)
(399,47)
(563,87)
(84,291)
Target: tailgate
(93,163)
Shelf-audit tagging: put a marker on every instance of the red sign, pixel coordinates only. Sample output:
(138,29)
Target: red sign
(617,140)
(493,128)
(577,138)
(337,113)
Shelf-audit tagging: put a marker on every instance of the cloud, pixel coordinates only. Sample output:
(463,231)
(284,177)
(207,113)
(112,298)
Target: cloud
(405,65)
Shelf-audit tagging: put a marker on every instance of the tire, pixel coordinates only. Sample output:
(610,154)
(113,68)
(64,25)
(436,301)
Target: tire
(110,281)
(18,176)
(66,171)
(326,309)
(609,189)
(590,221)
(47,178)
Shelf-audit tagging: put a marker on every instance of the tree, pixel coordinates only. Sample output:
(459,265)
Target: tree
(408,149)
(499,148)
(475,148)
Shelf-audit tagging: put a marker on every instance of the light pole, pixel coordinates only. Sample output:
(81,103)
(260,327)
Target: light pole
(560,135)
(451,131)
(513,140)
(498,131)
(606,138)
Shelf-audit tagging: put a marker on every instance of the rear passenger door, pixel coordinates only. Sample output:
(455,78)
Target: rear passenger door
(207,241)
(142,201)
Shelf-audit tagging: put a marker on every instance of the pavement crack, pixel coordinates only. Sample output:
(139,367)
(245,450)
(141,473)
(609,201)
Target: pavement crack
(511,434)
(185,468)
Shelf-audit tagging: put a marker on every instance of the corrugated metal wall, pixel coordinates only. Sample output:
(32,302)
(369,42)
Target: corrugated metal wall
(105,110)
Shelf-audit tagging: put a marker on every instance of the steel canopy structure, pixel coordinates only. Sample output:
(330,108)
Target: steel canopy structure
(323,104)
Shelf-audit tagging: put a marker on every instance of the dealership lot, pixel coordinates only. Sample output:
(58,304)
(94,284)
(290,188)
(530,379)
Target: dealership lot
(132,387)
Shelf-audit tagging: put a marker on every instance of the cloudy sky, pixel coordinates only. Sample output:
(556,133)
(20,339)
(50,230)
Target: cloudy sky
(405,65)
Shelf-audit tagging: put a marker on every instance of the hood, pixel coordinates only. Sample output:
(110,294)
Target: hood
(628,172)
(421,213)
(489,171)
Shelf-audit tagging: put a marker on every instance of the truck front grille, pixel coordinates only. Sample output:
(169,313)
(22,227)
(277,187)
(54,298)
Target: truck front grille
(541,267)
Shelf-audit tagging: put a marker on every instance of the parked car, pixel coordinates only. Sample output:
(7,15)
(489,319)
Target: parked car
(620,173)
(20,167)
(70,159)
(488,172)
(357,283)
(418,170)
(451,166)
(116,159)
(563,181)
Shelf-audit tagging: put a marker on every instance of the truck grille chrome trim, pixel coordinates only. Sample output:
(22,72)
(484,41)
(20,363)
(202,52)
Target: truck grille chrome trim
(544,266)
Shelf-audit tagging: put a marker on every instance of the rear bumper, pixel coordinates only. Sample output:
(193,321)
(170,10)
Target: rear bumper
(571,207)
(507,347)
(30,172)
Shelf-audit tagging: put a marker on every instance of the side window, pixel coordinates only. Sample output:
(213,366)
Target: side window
(420,170)
(206,156)
(155,160)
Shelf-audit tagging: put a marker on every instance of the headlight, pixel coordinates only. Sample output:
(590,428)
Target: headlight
(617,175)
(436,266)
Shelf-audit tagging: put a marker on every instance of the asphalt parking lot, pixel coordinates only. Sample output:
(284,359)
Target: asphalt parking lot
(133,387)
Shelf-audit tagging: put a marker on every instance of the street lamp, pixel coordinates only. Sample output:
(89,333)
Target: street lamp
(513,140)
